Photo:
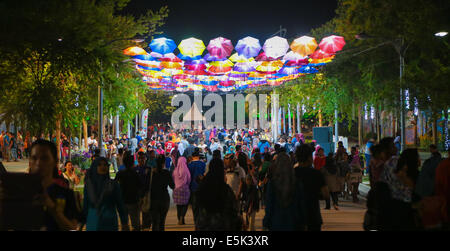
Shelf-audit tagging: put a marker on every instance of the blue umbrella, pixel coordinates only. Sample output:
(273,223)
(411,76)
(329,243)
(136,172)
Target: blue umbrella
(248,47)
(308,70)
(188,58)
(144,57)
(163,45)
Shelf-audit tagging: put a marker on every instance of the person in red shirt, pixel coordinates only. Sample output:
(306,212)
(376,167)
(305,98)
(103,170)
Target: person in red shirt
(319,159)
(169,144)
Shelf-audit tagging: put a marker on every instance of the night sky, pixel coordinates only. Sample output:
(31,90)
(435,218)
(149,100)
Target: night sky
(234,20)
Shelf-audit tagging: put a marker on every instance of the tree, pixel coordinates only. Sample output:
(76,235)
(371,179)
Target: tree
(54,54)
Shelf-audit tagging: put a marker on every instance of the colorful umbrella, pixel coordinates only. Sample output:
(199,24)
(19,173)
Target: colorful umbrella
(226,63)
(144,57)
(320,54)
(245,67)
(191,47)
(220,47)
(236,58)
(308,70)
(134,51)
(288,71)
(263,57)
(187,58)
(248,47)
(163,45)
(276,47)
(332,44)
(304,45)
(170,57)
(293,56)
(219,70)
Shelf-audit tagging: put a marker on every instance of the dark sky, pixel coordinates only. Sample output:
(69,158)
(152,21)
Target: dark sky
(237,19)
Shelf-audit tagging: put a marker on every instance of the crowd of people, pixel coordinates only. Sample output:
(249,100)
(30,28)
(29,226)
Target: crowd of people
(227,176)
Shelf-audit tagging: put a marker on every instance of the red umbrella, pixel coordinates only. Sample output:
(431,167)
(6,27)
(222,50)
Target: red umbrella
(320,54)
(220,47)
(332,44)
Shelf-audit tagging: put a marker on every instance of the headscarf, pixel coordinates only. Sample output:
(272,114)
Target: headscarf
(181,174)
(96,183)
(231,150)
(399,190)
(316,153)
(181,148)
(284,179)
(302,138)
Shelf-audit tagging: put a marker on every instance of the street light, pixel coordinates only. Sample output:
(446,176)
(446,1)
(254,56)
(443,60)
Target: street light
(441,34)
(100,95)
(399,45)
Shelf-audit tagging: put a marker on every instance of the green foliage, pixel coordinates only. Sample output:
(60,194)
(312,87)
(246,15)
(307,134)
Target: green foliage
(54,54)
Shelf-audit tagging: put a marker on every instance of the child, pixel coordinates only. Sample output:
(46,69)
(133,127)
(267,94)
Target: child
(251,202)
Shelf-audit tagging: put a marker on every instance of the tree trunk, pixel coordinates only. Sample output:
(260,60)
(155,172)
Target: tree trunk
(445,134)
(320,118)
(378,117)
(58,138)
(85,129)
(360,140)
(435,134)
(70,145)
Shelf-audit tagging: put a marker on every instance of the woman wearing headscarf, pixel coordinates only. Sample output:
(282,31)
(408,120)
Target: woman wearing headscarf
(102,199)
(330,172)
(285,207)
(216,204)
(181,193)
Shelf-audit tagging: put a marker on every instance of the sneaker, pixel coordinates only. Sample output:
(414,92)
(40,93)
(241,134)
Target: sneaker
(336,207)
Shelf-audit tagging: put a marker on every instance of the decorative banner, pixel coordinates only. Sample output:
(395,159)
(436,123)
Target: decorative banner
(144,123)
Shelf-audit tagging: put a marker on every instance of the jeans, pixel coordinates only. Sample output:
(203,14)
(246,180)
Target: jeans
(355,188)
(146,220)
(334,197)
(192,202)
(159,212)
(181,212)
(134,213)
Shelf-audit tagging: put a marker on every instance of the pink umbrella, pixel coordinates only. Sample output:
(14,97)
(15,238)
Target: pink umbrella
(332,44)
(320,54)
(220,47)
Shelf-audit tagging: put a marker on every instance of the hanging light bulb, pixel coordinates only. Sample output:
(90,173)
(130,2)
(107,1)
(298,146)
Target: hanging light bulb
(407,99)
(366,115)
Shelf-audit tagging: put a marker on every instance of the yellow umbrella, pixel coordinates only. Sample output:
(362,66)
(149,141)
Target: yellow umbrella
(226,63)
(191,47)
(277,63)
(304,45)
(134,51)
(240,59)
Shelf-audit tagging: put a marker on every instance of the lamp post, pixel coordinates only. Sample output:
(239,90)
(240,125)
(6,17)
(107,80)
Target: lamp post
(100,96)
(399,45)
